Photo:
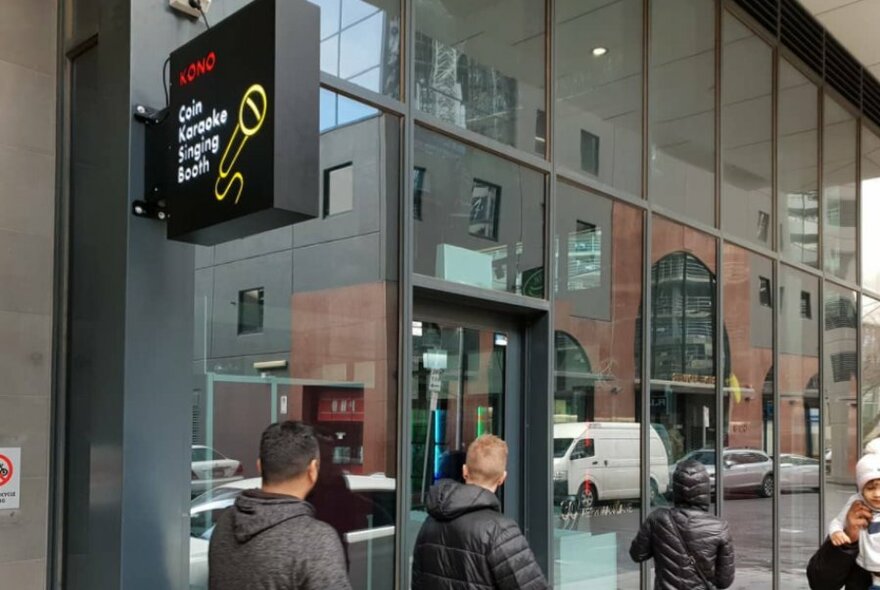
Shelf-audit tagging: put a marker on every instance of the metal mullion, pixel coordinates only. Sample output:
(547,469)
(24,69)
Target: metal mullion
(549,254)
(646,67)
(481,142)
(645,381)
(718,165)
(777,423)
(719,271)
(822,417)
(405,299)
(361,94)
(859,434)
(857,246)
(645,369)
(720,360)
(820,226)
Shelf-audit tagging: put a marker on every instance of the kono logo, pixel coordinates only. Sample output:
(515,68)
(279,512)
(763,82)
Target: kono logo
(197,68)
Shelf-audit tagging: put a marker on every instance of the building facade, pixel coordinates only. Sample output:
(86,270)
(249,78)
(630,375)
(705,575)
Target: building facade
(618,234)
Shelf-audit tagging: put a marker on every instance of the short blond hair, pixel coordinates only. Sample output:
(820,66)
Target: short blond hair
(487,459)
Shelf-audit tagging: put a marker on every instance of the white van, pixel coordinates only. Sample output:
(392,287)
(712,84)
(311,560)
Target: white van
(600,461)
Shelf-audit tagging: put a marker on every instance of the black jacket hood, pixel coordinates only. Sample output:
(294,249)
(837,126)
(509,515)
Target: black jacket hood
(448,499)
(691,487)
(256,511)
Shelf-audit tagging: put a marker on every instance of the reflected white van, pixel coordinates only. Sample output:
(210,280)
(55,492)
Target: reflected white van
(600,461)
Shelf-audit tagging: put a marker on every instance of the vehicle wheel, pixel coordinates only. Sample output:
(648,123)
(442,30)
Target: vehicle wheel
(586,496)
(766,489)
(655,492)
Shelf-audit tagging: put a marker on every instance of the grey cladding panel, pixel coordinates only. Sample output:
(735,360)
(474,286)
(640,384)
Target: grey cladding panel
(271,272)
(355,261)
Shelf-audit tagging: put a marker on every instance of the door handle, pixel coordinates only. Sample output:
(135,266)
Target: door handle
(606,462)
(595,462)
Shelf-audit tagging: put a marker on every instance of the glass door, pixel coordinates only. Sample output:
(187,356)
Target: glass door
(465,383)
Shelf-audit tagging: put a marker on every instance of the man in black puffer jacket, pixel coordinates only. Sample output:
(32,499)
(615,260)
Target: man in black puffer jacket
(683,538)
(466,543)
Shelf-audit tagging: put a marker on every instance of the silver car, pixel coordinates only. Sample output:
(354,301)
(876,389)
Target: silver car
(745,470)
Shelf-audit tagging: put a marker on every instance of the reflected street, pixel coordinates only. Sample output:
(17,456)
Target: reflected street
(749,517)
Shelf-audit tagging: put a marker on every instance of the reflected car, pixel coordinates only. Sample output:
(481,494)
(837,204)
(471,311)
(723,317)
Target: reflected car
(365,547)
(798,473)
(211,468)
(745,470)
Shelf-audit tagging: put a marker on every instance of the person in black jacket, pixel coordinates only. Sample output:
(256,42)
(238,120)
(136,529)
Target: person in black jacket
(686,537)
(834,567)
(466,542)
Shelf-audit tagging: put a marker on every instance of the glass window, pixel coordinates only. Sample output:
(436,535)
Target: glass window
(326,353)
(599,91)
(480,66)
(840,395)
(597,396)
(682,345)
(870,201)
(682,108)
(799,410)
(746,133)
(481,220)
(360,42)
(798,174)
(839,190)
(250,311)
(870,368)
(338,189)
(748,410)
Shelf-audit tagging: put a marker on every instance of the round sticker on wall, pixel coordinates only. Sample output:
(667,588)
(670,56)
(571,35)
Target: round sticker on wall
(6,470)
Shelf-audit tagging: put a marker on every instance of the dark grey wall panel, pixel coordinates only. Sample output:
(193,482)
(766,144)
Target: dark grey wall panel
(272,273)
(358,144)
(257,245)
(355,261)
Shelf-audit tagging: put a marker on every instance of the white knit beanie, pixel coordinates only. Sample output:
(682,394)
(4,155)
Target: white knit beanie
(868,467)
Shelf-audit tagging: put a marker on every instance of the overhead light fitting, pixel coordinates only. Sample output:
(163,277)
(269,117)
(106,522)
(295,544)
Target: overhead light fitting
(599,51)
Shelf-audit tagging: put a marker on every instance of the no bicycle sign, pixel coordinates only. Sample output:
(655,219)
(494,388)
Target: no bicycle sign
(10,467)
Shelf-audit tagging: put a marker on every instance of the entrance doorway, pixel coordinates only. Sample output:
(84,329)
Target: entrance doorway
(467,381)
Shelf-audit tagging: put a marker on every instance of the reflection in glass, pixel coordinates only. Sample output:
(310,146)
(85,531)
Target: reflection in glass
(326,354)
(870,368)
(360,42)
(458,395)
(480,217)
(683,359)
(798,419)
(682,108)
(747,474)
(599,97)
(597,397)
(480,66)
(870,201)
(746,134)
(798,174)
(840,395)
(839,190)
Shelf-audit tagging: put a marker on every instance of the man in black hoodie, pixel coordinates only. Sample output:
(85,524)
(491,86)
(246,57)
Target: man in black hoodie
(270,537)
(689,545)
(466,542)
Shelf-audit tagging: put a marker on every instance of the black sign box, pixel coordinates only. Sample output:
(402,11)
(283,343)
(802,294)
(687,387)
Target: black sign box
(243,124)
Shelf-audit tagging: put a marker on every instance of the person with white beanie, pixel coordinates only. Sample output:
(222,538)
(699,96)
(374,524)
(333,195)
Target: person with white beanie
(868,482)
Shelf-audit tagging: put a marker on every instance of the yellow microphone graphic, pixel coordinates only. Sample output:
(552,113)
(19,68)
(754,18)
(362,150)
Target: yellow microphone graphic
(251,114)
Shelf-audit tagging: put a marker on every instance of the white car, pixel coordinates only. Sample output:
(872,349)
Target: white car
(798,473)
(210,469)
(366,548)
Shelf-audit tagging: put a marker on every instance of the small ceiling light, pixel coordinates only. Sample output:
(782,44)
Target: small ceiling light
(599,51)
